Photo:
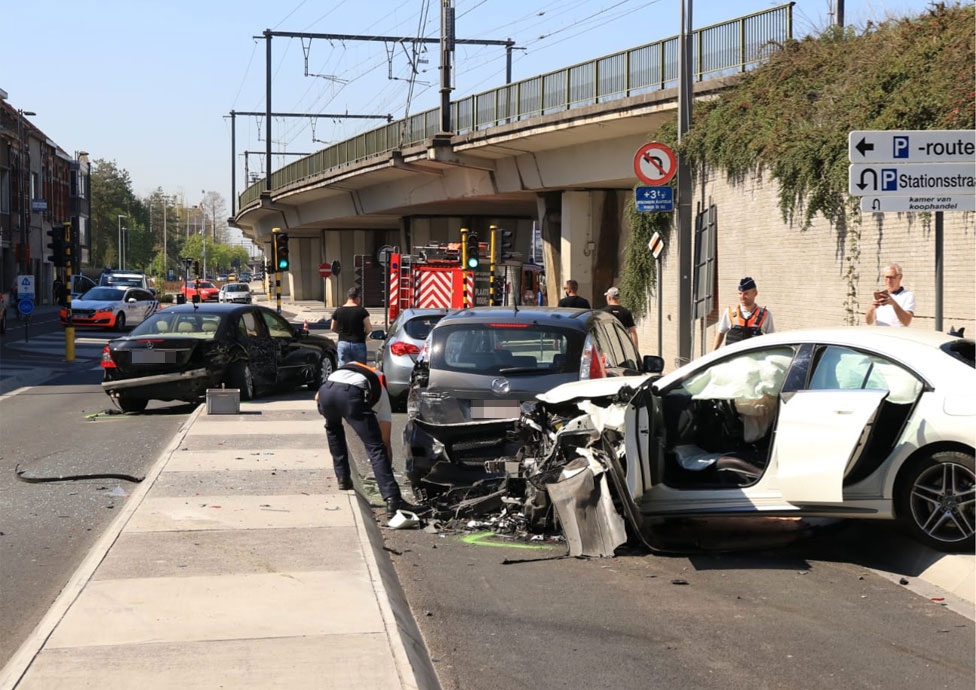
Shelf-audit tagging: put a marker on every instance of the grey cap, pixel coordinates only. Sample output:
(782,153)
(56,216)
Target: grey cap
(612,292)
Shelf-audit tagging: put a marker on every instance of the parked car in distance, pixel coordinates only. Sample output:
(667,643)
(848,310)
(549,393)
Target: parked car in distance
(234,292)
(114,278)
(479,365)
(245,277)
(206,289)
(222,277)
(182,351)
(111,307)
(858,422)
(401,345)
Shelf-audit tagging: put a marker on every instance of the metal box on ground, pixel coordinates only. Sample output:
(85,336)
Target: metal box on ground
(223,401)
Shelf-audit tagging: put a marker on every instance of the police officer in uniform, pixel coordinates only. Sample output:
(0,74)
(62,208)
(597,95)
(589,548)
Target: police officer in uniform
(357,394)
(745,320)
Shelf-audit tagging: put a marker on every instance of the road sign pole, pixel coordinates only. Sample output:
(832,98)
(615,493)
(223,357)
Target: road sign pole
(660,311)
(938,269)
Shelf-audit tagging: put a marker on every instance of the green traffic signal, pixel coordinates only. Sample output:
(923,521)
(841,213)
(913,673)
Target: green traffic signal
(474,259)
(281,251)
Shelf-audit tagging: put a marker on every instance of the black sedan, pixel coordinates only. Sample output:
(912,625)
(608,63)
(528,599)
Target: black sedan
(180,352)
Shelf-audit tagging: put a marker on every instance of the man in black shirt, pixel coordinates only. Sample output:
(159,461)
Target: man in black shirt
(622,313)
(351,322)
(572,299)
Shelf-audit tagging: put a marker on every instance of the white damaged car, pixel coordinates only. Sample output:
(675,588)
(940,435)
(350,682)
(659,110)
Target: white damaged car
(859,422)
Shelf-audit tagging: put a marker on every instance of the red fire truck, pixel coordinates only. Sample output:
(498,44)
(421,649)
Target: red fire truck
(432,276)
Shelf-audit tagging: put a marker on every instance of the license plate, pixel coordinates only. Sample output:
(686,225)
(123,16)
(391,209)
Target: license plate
(152,357)
(494,409)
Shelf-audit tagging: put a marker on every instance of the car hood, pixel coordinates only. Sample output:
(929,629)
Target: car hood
(592,388)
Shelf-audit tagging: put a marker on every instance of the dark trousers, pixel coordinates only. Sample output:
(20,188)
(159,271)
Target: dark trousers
(343,401)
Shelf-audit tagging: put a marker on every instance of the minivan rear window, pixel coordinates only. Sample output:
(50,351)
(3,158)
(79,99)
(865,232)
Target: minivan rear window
(485,349)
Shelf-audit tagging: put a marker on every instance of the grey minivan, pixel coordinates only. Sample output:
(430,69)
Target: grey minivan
(479,365)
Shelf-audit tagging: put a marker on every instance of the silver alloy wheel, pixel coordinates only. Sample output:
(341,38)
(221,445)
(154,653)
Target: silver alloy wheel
(943,502)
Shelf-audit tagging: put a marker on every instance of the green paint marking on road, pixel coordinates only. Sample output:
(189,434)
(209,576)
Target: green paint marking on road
(478,539)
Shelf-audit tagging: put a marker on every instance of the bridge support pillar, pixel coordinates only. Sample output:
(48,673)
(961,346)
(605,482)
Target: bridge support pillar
(582,213)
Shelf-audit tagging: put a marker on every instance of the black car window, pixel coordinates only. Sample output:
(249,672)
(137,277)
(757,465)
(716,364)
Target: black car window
(841,368)
(247,324)
(962,350)
(138,295)
(277,326)
(615,345)
(490,348)
(419,328)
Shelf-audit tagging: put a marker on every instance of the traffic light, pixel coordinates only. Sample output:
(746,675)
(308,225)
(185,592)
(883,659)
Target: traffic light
(73,243)
(281,251)
(57,246)
(505,240)
(196,269)
(474,257)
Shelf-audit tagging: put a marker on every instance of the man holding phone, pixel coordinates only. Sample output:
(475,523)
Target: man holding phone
(893,306)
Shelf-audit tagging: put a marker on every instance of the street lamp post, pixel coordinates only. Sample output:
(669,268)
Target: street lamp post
(121,260)
(25,188)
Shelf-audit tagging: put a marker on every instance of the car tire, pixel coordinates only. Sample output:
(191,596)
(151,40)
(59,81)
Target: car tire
(325,369)
(240,378)
(120,322)
(128,403)
(929,500)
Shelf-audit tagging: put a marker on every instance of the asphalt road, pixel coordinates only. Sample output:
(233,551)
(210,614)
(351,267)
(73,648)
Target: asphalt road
(67,426)
(803,616)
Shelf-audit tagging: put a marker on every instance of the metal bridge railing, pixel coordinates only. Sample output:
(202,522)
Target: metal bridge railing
(718,50)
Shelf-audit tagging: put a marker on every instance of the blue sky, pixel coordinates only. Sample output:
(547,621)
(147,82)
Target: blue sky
(148,83)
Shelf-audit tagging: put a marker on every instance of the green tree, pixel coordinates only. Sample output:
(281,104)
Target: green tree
(111,197)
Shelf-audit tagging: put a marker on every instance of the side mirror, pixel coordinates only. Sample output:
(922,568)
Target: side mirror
(378,334)
(653,364)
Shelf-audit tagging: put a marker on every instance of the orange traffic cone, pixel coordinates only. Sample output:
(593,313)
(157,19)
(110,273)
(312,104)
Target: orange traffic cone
(305,324)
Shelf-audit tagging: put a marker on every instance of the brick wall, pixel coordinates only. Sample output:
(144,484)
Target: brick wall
(801,274)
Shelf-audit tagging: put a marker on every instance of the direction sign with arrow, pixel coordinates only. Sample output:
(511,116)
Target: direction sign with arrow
(894,179)
(912,146)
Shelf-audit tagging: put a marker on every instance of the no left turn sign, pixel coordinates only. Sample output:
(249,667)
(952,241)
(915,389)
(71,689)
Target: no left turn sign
(655,163)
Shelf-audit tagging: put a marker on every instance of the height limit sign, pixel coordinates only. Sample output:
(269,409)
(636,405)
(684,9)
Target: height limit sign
(655,163)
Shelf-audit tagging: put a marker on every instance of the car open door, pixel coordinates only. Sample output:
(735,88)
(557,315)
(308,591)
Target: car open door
(818,433)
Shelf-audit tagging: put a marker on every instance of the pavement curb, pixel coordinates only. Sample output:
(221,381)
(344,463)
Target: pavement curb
(410,655)
(20,662)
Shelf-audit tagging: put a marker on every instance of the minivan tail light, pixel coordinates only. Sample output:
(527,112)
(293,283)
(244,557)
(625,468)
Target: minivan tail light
(400,348)
(107,361)
(591,362)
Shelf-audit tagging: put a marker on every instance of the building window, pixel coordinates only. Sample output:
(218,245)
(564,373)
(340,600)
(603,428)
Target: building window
(4,190)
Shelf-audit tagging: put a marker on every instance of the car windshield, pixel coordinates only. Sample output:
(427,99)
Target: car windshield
(493,348)
(181,324)
(236,287)
(104,294)
(201,283)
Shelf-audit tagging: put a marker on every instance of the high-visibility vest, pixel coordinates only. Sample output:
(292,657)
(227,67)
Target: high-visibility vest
(743,328)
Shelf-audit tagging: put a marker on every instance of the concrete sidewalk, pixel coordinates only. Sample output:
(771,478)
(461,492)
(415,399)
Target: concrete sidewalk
(236,563)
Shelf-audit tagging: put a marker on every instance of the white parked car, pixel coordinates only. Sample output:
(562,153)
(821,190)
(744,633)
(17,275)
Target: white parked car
(235,292)
(867,422)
